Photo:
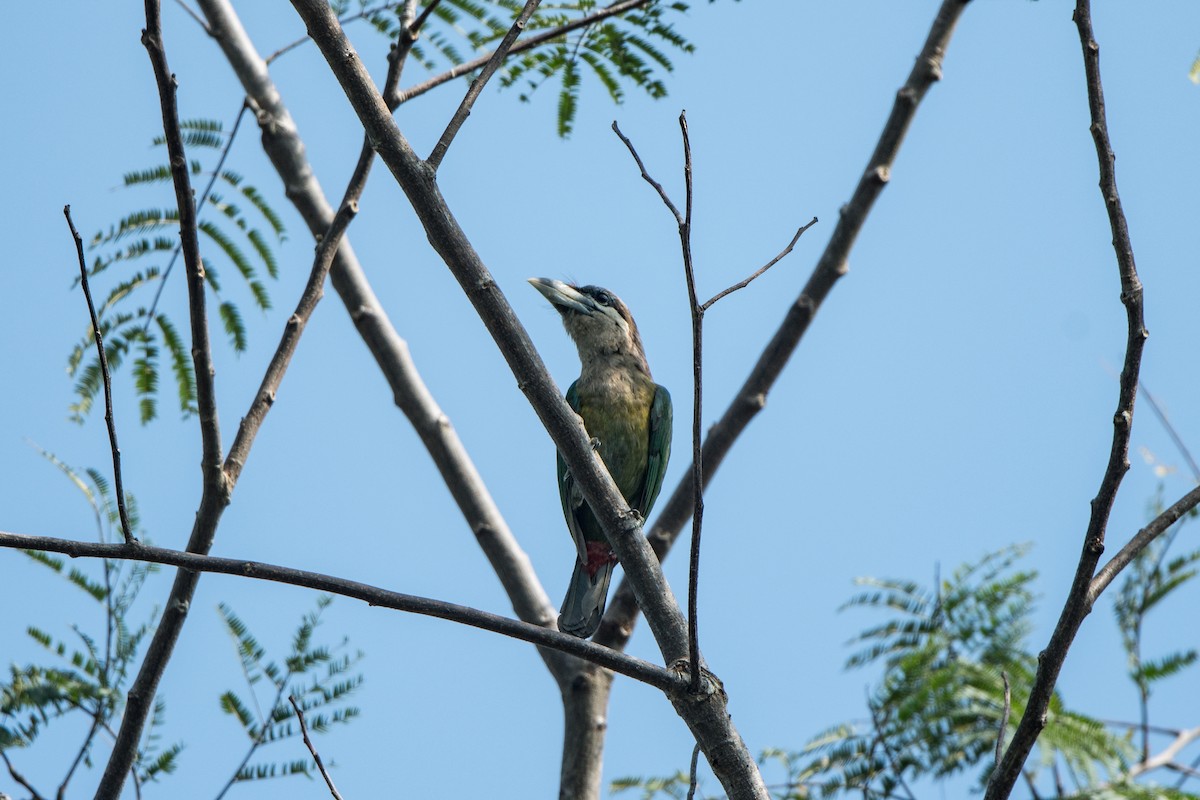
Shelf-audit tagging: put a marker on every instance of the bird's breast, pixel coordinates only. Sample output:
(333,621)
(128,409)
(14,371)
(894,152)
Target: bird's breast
(617,412)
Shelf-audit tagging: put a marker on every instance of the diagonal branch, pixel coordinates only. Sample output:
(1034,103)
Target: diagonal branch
(706,715)
(313,750)
(215,492)
(480,81)
(635,668)
(742,284)
(285,149)
(109,421)
(1139,542)
(618,622)
(1077,604)
(293,329)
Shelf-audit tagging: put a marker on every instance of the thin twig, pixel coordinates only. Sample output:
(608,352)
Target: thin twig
(1139,542)
(93,729)
(308,743)
(467,67)
(1077,603)
(629,666)
(195,17)
(744,283)
(19,778)
(355,17)
(697,315)
(692,781)
(106,376)
(877,719)
(646,175)
(162,281)
(684,222)
(1176,439)
(697,309)
(480,81)
(292,331)
(1003,717)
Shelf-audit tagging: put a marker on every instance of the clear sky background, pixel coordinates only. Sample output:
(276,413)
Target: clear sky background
(954,395)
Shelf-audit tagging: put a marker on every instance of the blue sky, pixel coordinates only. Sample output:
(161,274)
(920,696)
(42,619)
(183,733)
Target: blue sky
(954,395)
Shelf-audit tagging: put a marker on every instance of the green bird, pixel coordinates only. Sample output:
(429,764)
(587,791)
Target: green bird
(627,414)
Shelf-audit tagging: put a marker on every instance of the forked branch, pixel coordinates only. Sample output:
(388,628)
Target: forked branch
(697,309)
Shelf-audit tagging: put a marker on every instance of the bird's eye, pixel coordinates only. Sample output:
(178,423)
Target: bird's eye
(604,299)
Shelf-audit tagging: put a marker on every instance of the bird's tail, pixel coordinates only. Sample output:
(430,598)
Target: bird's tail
(584,604)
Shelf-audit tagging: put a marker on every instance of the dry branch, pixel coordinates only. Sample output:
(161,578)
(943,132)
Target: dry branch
(1077,604)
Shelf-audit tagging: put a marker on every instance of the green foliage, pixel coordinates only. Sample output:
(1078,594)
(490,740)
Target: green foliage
(625,50)
(86,671)
(320,678)
(945,654)
(143,247)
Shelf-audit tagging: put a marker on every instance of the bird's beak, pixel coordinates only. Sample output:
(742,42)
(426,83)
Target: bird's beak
(564,296)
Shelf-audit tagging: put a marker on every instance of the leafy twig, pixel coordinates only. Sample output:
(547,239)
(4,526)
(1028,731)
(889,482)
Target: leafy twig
(468,67)
(126,530)
(316,756)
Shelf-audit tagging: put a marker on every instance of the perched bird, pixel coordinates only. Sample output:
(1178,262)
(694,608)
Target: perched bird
(627,413)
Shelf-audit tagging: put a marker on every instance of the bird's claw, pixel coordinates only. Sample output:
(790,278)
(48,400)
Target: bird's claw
(595,443)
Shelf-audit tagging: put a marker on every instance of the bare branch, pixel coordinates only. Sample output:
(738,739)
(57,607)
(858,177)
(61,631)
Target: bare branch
(316,756)
(639,670)
(618,622)
(19,778)
(1077,604)
(706,715)
(292,331)
(1176,439)
(480,81)
(106,376)
(1144,537)
(744,283)
(215,491)
(646,175)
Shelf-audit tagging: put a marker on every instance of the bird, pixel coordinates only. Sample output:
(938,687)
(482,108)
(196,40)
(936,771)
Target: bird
(628,417)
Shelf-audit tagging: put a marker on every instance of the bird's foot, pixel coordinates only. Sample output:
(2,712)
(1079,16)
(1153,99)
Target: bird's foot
(599,555)
(595,443)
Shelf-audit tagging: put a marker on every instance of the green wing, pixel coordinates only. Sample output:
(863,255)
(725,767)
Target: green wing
(659,453)
(573,505)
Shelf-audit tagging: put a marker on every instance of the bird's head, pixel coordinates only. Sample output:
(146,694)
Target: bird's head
(597,320)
